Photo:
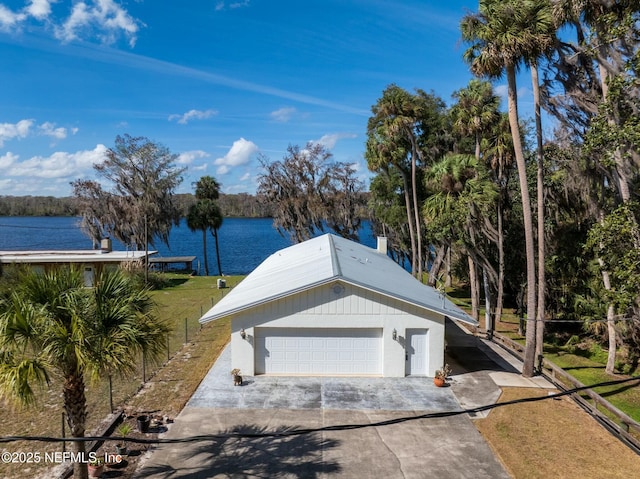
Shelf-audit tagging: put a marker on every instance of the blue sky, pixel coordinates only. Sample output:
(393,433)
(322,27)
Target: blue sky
(217,82)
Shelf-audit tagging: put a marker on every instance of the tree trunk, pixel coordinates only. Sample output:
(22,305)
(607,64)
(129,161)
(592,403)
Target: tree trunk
(611,330)
(540,204)
(500,293)
(206,260)
(474,286)
(416,208)
(436,266)
(621,174)
(75,408)
(530,337)
(412,236)
(215,235)
(487,305)
(622,180)
(448,282)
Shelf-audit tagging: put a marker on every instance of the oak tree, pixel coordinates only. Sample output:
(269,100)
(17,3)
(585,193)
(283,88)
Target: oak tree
(134,200)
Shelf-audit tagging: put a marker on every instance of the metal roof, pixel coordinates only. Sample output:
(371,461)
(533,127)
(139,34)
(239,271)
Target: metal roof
(323,260)
(70,256)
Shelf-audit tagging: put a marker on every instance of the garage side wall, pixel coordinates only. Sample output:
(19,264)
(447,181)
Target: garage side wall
(342,305)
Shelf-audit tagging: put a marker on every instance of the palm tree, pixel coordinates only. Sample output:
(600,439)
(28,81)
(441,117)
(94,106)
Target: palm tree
(476,111)
(537,19)
(392,138)
(460,207)
(500,158)
(208,187)
(205,215)
(497,43)
(474,114)
(52,325)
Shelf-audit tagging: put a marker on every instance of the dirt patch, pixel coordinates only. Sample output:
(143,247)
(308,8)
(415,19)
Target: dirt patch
(554,438)
(164,396)
(124,466)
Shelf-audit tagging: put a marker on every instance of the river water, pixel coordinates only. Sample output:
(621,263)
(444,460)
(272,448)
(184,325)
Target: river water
(244,242)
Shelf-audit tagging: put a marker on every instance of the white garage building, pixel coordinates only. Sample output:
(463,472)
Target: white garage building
(330,306)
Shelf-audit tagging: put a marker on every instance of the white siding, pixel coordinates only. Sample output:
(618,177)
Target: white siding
(351,308)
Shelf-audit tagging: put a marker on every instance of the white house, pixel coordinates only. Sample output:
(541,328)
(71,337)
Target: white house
(330,306)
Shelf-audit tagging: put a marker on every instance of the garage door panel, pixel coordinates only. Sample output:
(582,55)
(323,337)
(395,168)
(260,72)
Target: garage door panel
(316,351)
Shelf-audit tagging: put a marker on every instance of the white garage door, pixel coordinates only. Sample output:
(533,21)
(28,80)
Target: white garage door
(317,352)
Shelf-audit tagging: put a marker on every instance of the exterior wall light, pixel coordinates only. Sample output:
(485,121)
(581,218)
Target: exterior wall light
(394,335)
(243,334)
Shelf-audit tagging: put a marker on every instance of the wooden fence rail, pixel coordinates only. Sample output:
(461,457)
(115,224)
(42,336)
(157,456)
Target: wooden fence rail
(616,421)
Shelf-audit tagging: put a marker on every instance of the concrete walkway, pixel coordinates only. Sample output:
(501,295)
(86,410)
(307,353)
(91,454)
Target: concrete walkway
(250,426)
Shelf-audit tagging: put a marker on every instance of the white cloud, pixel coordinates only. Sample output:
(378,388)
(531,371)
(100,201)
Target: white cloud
(245,177)
(104,18)
(58,165)
(239,154)
(221,5)
(10,19)
(187,157)
(245,3)
(329,141)
(7,186)
(9,131)
(283,114)
(7,160)
(22,129)
(193,115)
(39,9)
(49,129)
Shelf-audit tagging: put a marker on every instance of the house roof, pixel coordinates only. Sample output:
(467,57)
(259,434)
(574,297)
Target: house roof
(70,256)
(324,260)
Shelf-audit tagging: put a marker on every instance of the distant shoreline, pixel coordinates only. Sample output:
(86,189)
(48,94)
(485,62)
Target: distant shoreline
(241,205)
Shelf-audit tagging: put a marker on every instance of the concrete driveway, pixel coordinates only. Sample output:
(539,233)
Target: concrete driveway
(284,427)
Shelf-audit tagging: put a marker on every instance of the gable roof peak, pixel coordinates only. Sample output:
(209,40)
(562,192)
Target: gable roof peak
(325,259)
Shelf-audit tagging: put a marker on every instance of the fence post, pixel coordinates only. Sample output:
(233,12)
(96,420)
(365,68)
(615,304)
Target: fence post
(186,331)
(144,369)
(110,395)
(64,443)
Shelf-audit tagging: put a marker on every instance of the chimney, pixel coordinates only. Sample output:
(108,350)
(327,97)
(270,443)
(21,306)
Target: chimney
(105,245)
(382,245)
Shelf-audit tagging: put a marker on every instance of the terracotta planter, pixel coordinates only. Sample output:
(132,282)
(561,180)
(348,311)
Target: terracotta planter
(96,470)
(438,382)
